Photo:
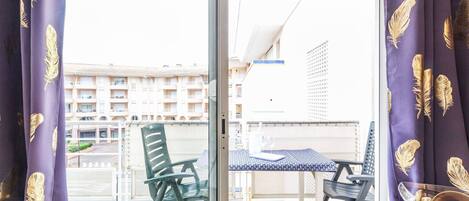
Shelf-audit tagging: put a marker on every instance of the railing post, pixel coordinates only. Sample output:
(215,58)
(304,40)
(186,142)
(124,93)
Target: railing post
(97,135)
(108,134)
(119,165)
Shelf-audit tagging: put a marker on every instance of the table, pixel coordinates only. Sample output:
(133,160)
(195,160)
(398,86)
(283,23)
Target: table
(301,160)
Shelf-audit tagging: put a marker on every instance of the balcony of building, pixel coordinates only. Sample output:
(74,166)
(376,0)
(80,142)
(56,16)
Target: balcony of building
(99,166)
(169,110)
(86,109)
(86,96)
(119,109)
(169,96)
(118,83)
(85,82)
(69,81)
(194,83)
(119,96)
(169,83)
(195,96)
(194,110)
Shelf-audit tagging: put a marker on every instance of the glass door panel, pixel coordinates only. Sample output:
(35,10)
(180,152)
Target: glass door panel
(134,64)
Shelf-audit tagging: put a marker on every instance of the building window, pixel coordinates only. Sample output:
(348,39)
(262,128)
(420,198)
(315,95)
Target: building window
(134,117)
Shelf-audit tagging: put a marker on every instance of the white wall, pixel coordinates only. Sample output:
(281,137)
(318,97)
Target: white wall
(348,26)
(272,93)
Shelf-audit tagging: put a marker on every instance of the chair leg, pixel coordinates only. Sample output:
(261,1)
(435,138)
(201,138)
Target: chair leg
(326,198)
(162,191)
(176,191)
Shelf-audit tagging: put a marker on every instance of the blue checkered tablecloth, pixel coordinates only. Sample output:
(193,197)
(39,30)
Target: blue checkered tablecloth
(304,160)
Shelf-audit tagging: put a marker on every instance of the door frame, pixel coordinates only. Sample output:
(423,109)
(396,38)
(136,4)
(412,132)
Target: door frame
(381,110)
(218,61)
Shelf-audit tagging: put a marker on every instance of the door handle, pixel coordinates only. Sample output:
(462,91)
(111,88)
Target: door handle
(223,126)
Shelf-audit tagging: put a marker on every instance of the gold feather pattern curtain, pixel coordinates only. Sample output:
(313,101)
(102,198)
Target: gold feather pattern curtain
(427,58)
(32,127)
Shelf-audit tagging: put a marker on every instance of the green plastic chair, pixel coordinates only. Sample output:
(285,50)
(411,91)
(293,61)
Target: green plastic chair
(358,189)
(163,182)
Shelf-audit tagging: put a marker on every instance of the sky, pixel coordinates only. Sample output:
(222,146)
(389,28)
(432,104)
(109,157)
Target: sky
(136,32)
(159,32)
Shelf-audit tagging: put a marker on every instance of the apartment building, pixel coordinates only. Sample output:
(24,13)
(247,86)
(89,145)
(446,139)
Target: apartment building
(127,93)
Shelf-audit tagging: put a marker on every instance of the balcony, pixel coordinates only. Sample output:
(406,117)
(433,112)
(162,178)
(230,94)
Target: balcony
(69,85)
(172,86)
(86,99)
(99,167)
(119,112)
(119,83)
(195,99)
(86,112)
(85,85)
(194,85)
(119,99)
(194,114)
(68,114)
(121,86)
(169,99)
(170,113)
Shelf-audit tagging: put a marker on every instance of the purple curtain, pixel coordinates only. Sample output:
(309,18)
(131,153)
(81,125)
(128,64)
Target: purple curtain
(427,44)
(32,126)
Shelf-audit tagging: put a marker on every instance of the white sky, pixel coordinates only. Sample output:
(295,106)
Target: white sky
(158,32)
(136,32)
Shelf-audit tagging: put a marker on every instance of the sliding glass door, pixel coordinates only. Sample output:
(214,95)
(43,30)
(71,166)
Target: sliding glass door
(131,67)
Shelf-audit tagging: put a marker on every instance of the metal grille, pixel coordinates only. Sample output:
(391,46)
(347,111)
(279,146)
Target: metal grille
(317,81)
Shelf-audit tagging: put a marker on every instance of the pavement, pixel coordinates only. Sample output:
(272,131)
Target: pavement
(96,160)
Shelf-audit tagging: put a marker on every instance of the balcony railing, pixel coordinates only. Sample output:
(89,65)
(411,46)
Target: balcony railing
(119,83)
(86,110)
(119,110)
(170,96)
(114,168)
(97,174)
(85,85)
(86,97)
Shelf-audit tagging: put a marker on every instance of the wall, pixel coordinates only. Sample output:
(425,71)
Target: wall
(348,26)
(271,93)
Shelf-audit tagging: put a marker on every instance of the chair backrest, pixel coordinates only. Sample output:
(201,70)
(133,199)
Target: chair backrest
(369,160)
(157,161)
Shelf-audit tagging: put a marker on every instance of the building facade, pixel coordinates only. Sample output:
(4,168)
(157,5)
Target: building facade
(130,93)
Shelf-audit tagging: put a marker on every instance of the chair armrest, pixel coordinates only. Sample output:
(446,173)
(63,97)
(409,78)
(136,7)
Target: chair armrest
(188,164)
(368,178)
(184,162)
(167,177)
(348,162)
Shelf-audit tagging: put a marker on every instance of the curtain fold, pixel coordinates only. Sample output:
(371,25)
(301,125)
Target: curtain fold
(32,163)
(427,47)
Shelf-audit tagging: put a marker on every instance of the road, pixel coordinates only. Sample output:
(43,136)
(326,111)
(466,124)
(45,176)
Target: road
(96,161)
